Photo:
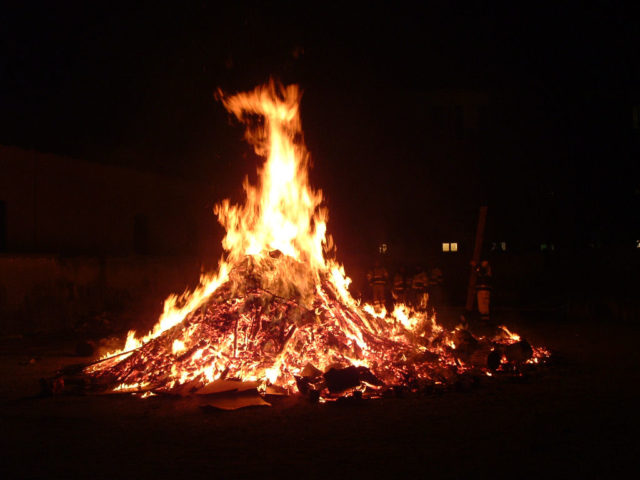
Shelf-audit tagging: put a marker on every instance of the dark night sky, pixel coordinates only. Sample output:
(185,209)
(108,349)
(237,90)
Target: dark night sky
(134,86)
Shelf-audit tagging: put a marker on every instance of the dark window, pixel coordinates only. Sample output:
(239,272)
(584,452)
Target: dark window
(483,117)
(458,120)
(500,246)
(141,234)
(3,226)
(437,117)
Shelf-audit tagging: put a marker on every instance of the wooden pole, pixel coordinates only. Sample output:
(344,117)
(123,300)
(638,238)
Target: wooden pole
(477,250)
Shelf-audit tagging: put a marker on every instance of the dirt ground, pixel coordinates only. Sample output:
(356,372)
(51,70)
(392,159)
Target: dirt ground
(574,419)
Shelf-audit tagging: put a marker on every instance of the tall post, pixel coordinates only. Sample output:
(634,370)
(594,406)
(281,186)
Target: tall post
(477,250)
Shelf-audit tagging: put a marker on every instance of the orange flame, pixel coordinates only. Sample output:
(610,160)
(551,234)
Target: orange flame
(282,213)
(282,217)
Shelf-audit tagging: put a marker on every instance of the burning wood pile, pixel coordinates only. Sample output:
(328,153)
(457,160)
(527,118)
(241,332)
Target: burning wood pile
(278,314)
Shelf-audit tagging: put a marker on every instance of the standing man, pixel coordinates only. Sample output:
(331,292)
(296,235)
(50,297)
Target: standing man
(378,277)
(436,295)
(398,291)
(419,287)
(483,288)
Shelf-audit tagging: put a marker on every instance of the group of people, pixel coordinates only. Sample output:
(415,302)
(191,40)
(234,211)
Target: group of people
(417,287)
(422,289)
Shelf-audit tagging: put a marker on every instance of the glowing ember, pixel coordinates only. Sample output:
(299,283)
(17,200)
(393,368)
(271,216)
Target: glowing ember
(278,311)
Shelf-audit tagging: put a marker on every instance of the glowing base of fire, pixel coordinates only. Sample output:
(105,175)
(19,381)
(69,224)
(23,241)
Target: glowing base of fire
(278,311)
(255,328)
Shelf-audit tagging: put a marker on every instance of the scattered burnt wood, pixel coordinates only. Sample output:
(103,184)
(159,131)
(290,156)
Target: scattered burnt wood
(493,360)
(256,321)
(341,379)
(353,398)
(518,352)
(465,343)
(311,372)
(304,385)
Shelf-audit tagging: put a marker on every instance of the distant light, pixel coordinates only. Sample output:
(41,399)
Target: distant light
(499,246)
(450,246)
(383,248)
(637,243)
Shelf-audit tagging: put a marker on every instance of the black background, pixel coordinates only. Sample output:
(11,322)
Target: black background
(134,85)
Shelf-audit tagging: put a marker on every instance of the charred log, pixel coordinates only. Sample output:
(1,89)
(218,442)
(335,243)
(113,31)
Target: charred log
(493,360)
(465,344)
(341,379)
(518,352)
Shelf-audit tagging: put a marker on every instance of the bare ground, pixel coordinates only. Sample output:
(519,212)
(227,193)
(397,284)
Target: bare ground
(575,418)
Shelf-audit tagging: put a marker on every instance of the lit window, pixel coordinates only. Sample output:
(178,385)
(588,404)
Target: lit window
(383,248)
(498,246)
(450,246)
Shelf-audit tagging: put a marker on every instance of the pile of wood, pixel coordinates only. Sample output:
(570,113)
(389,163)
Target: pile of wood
(257,327)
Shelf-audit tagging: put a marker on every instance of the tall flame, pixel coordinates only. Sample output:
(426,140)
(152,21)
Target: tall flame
(279,301)
(281,213)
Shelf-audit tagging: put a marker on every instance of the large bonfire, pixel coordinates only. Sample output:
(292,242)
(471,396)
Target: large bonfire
(278,312)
